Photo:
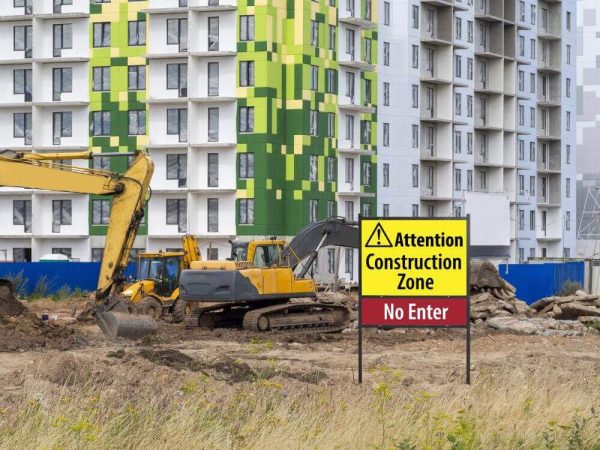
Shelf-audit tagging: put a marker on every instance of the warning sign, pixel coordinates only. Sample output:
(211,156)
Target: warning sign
(414,257)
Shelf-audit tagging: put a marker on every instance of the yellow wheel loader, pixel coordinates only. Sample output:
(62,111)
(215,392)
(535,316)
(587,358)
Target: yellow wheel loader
(128,191)
(155,291)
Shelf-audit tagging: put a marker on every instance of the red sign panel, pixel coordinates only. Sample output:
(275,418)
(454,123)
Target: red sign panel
(414,312)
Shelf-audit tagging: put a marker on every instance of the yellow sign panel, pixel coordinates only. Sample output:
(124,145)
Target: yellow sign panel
(414,257)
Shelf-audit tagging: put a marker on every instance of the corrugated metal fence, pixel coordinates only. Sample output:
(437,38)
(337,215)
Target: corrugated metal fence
(535,281)
(50,277)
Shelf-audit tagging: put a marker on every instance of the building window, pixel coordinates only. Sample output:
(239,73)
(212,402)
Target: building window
(568,88)
(101,123)
(313,122)
(213,124)
(386,13)
(246,212)
(458,104)
(330,168)
(313,168)
(246,73)
(350,44)
(332,37)
(532,83)
(521,115)
(100,162)
(386,53)
(532,14)
(532,220)
(137,32)
(177,78)
(469,143)
(331,260)
(350,86)
(213,79)
(415,96)
(62,81)
(457,179)
(521,80)
(470,31)
(469,68)
(246,28)
(366,166)
(62,126)
(568,20)
(386,175)
(457,66)
(386,210)
(568,187)
(101,78)
(314,33)
(568,54)
(331,208)
(213,34)
(458,28)
(177,123)
(137,123)
(415,175)
(349,261)
(314,211)
(349,210)
(568,221)
(62,213)
(23,39)
(415,210)
(415,17)
(102,34)
(22,214)
(22,126)
(350,129)
(100,211)
(22,82)
(367,91)
(246,119)
(532,48)
(469,180)
(415,136)
(136,78)
(367,10)
(368,50)
(177,213)
(365,133)
(386,134)
(532,151)
(331,76)
(568,154)
(62,251)
(386,94)
(177,33)
(330,124)
(415,56)
(314,78)
(97,254)
(521,150)
(457,142)
(568,124)
(349,170)
(62,37)
(212,207)
(212,254)
(177,168)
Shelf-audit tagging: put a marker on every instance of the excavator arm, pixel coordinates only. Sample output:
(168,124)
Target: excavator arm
(306,244)
(128,191)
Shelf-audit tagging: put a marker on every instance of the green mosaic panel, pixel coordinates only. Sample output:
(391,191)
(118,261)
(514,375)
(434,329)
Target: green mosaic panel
(282,99)
(118,100)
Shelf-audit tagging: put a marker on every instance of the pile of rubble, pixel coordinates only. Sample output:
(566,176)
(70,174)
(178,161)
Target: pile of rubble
(486,305)
(580,306)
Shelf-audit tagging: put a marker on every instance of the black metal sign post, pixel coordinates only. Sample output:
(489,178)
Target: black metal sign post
(466,326)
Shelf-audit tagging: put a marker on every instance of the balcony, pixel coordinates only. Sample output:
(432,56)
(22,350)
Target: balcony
(489,10)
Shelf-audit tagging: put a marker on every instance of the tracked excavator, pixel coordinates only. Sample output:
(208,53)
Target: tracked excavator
(129,193)
(257,284)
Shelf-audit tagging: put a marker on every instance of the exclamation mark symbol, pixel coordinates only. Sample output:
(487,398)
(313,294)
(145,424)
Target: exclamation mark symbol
(378,236)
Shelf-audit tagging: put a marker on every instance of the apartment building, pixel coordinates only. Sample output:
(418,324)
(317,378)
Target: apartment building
(264,116)
(477,95)
(588,153)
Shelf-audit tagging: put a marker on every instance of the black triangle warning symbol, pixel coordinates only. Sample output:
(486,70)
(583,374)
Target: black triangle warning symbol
(378,238)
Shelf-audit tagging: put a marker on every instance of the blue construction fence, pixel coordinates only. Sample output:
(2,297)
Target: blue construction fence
(54,276)
(535,281)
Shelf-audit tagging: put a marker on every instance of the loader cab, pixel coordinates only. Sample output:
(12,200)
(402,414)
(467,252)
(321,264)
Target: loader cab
(261,253)
(161,268)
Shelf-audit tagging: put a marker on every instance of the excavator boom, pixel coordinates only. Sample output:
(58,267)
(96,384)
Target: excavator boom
(129,192)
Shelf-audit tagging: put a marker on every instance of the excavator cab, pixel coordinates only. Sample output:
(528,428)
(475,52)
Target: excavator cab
(163,269)
(261,253)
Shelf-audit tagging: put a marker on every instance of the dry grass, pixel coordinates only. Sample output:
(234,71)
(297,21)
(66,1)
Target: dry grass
(537,410)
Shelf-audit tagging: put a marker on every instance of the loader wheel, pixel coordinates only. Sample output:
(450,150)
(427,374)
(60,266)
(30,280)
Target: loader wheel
(180,309)
(150,307)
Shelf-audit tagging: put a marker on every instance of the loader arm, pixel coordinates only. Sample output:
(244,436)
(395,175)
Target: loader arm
(333,231)
(128,190)
(191,252)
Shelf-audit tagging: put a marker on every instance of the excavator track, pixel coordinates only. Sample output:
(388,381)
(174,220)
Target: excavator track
(298,316)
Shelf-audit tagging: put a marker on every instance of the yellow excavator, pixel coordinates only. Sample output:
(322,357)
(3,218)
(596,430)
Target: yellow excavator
(257,284)
(129,192)
(155,291)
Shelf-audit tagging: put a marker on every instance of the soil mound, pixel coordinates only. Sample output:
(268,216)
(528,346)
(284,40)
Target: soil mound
(20,329)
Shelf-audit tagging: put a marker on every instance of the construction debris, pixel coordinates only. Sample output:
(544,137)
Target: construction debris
(582,307)
(538,326)
(486,305)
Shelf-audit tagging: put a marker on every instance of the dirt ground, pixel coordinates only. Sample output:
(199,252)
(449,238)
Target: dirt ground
(65,353)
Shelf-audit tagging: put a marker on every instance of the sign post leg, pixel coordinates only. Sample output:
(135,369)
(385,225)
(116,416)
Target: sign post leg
(360,350)
(469,352)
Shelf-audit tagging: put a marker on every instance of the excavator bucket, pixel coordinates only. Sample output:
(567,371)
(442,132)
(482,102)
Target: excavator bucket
(485,277)
(124,324)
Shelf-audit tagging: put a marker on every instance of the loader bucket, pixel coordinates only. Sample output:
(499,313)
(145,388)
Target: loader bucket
(122,324)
